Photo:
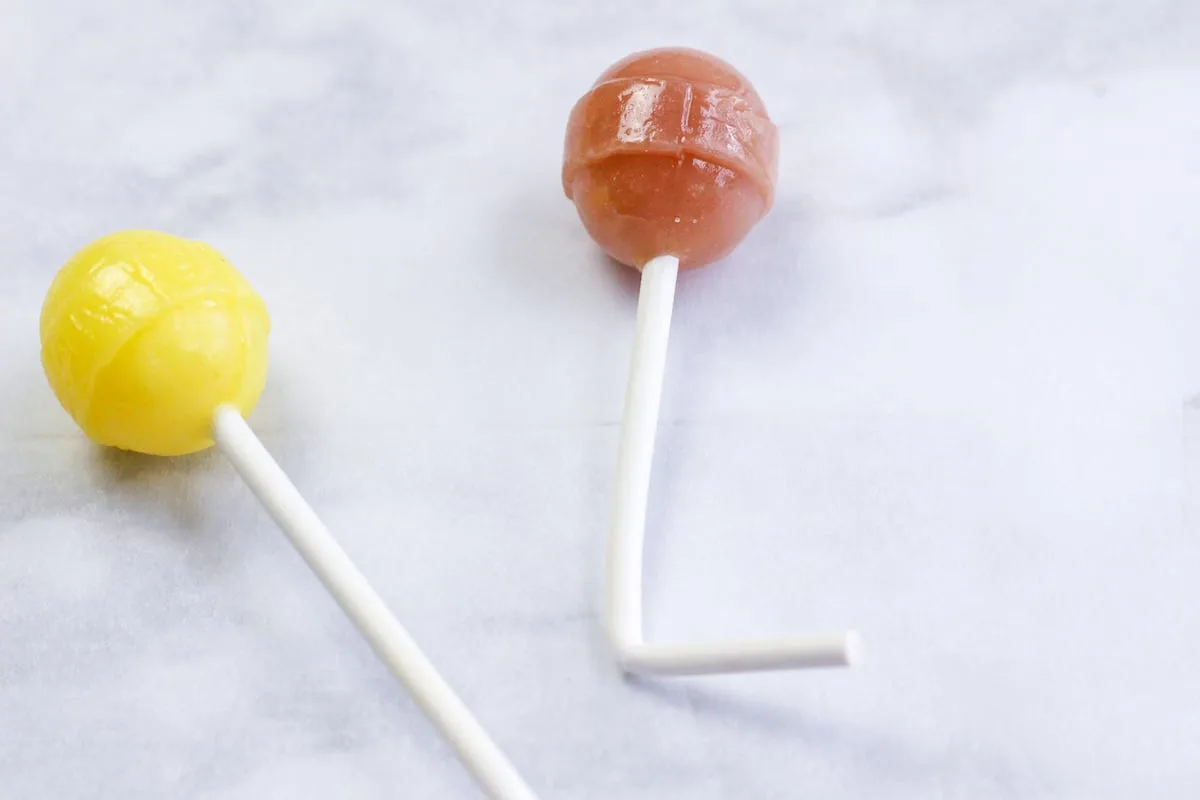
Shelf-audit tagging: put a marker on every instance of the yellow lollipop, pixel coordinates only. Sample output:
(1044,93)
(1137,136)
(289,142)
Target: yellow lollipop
(156,344)
(145,334)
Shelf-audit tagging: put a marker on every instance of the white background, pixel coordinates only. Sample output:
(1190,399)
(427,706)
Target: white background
(941,395)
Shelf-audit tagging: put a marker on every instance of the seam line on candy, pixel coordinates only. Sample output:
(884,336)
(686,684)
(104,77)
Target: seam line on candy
(123,343)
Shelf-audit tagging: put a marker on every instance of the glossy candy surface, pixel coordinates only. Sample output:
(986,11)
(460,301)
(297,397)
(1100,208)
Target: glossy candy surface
(144,334)
(670,153)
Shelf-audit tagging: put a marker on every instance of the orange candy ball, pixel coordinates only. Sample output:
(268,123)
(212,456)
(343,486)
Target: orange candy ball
(670,153)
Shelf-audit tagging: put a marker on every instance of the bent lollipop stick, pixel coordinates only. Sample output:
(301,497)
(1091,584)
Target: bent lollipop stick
(365,608)
(626,538)
(670,159)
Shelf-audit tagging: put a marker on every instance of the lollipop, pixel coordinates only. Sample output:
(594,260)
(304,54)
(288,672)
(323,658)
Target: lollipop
(670,160)
(156,344)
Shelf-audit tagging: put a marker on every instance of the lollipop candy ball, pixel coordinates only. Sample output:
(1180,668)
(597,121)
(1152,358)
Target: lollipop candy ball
(145,334)
(670,153)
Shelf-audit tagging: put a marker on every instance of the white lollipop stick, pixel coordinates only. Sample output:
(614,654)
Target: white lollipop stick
(366,609)
(624,582)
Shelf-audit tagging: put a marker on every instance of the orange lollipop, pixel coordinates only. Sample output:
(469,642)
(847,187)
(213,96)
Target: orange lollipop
(670,160)
(670,153)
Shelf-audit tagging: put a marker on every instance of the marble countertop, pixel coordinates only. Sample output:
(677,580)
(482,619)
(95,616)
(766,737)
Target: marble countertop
(943,394)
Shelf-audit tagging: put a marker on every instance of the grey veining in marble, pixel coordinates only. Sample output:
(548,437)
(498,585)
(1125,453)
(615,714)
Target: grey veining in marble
(944,394)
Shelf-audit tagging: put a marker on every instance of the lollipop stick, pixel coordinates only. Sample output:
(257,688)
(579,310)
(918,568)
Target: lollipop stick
(366,609)
(626,538)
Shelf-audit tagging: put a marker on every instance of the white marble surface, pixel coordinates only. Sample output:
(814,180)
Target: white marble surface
(941,394)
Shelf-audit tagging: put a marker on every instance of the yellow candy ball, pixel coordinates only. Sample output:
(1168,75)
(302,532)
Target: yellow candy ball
(145,334)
